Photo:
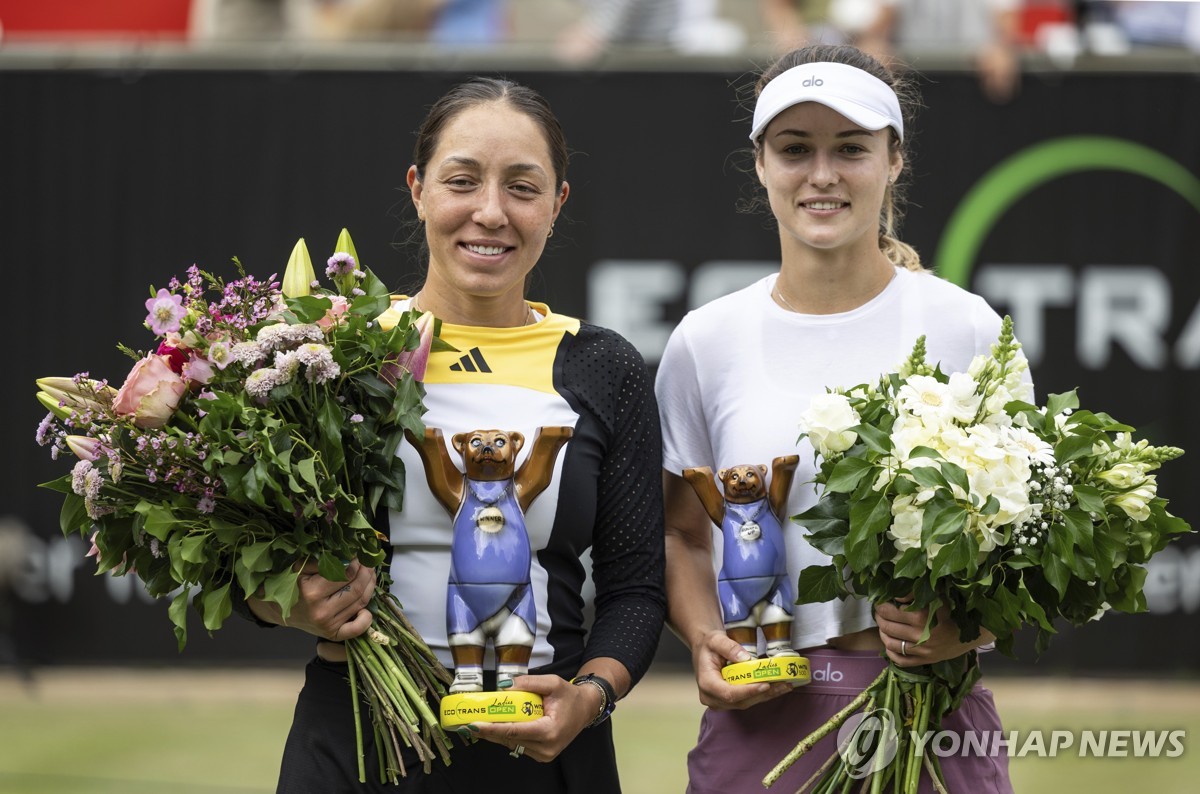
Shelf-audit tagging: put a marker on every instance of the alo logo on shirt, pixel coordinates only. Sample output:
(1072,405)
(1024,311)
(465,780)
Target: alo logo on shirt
(827,674)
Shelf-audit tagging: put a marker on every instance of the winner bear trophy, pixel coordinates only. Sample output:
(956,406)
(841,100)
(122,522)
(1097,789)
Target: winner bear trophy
(489,596)
(753,583)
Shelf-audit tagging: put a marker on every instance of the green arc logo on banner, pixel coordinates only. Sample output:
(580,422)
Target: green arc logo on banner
(1007,182)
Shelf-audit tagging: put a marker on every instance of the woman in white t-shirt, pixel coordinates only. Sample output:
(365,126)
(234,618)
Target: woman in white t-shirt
(847,305)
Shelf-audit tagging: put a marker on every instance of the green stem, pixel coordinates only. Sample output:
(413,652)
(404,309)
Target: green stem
(934,775)
(358,738)
(406,682)
(820,733)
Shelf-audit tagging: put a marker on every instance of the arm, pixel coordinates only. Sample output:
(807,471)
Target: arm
(701,480)
(445,481)
(783,469)
(694,613)
(538,468)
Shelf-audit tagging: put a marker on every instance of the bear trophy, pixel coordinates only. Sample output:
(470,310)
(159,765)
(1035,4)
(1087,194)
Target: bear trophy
(489,595)
(753,584)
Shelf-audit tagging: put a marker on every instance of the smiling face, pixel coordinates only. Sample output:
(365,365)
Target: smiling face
(826,179)
(488,197)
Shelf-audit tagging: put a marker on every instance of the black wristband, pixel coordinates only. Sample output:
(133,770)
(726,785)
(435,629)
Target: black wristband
(609,704)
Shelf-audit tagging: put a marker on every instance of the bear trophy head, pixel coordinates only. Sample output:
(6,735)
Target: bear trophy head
(744,484)
(489,455)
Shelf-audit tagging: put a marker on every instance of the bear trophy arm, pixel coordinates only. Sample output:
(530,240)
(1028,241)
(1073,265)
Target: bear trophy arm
(782,471)
(445,480)
(701,480)
(538,469)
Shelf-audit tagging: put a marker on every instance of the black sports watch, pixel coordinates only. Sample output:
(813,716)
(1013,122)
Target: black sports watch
(606,690)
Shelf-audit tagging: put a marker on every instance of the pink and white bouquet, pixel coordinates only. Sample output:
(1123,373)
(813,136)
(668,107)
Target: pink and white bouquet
(259,436)
(958,493)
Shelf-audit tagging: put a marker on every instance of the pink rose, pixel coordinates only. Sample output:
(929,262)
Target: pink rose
(334,315)
(151,392)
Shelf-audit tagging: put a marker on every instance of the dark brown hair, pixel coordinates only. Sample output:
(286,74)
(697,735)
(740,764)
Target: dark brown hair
(480,90)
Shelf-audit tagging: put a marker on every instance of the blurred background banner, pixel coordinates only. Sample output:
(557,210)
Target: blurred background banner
(1074,206)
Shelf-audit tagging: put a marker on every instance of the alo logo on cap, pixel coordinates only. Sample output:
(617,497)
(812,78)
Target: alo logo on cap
(812,81)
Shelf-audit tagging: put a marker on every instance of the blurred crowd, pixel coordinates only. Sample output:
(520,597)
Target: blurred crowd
(994,33)
(583,29)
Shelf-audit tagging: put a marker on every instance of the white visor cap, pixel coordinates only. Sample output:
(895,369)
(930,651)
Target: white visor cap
(863,98)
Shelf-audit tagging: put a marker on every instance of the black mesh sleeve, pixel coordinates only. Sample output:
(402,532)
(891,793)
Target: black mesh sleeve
(609,377)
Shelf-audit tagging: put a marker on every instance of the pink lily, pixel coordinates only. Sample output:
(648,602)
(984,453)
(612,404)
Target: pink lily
(414,361)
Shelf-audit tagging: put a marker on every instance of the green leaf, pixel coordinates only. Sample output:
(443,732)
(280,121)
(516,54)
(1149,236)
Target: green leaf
(1056,573)
(876,439)
(257,556)
(1089,499)
(869,517)
(818,584)
(957,556)
(956,475)
(160,521)
(1055,403)
(942,521)
(253,482)
(1073,447)
(193,549)
(925,452)
(1032,608)
(62,485)
(308,471)
(331,567)
(178,614)
(283,589)
(73,515)
(847,474)
(216,606)
(929,477)
(912,563)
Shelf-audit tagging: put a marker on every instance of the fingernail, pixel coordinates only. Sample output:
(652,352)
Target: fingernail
(505,684)
(472,729)
(463,732)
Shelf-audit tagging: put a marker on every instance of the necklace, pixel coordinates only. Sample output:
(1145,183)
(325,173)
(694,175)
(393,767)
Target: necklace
(779,294)
(530,317)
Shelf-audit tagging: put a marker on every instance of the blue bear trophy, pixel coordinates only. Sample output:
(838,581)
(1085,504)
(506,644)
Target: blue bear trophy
(489,594)
(753,584)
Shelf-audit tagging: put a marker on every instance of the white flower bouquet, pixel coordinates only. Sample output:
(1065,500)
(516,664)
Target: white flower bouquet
(258,438)
(957,493)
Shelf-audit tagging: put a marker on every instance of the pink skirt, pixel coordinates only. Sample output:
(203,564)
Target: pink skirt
(736,749)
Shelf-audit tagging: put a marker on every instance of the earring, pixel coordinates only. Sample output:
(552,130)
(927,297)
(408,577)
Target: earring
(550,233)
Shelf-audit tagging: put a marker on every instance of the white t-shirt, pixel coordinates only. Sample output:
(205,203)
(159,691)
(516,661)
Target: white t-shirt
(738,372)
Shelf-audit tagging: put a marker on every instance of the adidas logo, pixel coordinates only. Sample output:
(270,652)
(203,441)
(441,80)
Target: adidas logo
(472,361)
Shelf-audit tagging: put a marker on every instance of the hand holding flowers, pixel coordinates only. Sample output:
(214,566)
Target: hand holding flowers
(253,448)
(956,499)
